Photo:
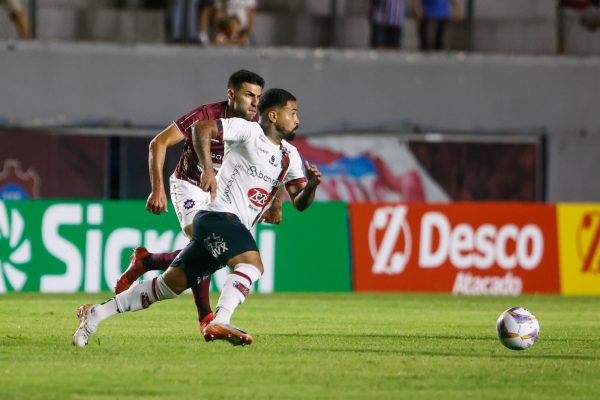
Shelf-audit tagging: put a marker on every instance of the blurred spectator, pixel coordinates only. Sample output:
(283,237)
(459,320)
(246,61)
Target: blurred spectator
(205,14)
(433,16)
(387,21)
(188,20)
(234,22)
(17,15)
(571,12)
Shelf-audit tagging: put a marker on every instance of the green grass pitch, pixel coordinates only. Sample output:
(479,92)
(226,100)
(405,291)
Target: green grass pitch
(306,346)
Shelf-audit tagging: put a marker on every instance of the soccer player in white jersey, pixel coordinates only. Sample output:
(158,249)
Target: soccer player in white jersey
(258,160)
(244,89)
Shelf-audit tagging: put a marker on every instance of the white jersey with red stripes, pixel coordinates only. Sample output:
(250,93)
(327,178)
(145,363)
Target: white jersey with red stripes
(253,169)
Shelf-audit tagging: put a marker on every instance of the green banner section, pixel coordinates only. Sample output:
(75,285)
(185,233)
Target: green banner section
(72,246)
(311,248)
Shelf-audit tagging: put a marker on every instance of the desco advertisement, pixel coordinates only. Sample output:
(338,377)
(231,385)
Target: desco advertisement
(461,248)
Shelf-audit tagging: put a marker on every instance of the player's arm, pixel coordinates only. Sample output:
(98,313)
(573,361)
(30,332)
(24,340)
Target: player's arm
(303,194)
(202,133)
(273,215)
(157,150)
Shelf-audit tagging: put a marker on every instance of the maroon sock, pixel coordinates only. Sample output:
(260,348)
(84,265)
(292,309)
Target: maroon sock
(201,298)
(159,261)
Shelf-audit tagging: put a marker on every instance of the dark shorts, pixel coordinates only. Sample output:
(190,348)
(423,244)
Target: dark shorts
(218,237)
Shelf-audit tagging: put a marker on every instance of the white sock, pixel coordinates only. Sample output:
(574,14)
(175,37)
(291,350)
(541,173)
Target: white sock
(137,297)
(142,295)
(235,291)
(100,312)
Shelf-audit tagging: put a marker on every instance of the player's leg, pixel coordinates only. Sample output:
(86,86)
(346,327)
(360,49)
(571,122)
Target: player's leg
(202,301)
(246,269)
(185,271)
(137,297)
(187,200)
(140,262)
(228,240)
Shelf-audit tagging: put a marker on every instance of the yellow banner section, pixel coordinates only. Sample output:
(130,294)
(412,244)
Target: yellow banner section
(579,241)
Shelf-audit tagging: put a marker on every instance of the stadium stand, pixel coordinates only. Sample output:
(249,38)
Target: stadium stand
(512,26)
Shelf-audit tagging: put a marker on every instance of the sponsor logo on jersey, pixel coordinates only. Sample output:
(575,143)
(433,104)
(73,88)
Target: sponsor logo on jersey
(230,181)
(242,288)
(273,162)
(145,300)
(256,173)
(215,244)
(189,204)
(258,196)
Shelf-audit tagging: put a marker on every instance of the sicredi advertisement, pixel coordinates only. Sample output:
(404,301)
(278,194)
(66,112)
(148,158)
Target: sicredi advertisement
(461,248)
(74,246)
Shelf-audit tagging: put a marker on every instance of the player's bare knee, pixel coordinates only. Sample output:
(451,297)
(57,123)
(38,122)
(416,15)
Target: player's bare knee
(175,279)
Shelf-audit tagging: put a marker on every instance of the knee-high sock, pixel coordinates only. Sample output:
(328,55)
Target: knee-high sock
(137,297)
(235,291)
(159,261)
(142,295)
(201,298)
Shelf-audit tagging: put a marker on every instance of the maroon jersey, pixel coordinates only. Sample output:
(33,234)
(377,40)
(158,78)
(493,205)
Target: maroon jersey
(187,168)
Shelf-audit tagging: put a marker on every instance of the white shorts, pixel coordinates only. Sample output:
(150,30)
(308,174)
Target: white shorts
(187,199)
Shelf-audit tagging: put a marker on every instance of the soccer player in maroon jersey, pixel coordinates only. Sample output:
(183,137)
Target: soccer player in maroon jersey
(244,89)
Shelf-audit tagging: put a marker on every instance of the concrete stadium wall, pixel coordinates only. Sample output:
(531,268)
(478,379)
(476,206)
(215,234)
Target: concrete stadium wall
(337,89)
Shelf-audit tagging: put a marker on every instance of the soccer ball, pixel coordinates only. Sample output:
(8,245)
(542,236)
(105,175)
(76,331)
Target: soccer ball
(517,328)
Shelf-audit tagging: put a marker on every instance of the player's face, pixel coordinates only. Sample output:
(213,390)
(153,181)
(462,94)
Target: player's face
(287,120)
(243,101)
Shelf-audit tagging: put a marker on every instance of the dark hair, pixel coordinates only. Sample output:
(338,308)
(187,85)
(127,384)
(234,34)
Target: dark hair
(244,76)
(274,98)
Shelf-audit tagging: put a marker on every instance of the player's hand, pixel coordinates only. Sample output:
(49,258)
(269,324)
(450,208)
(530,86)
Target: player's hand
(157,202)
(313,175)
(272,215)
(208,183)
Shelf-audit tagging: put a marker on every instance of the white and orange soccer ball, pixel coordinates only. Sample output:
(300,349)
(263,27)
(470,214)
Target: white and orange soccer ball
(517,328)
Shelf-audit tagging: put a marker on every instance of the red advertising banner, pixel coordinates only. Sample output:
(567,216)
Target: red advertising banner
(461,248)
